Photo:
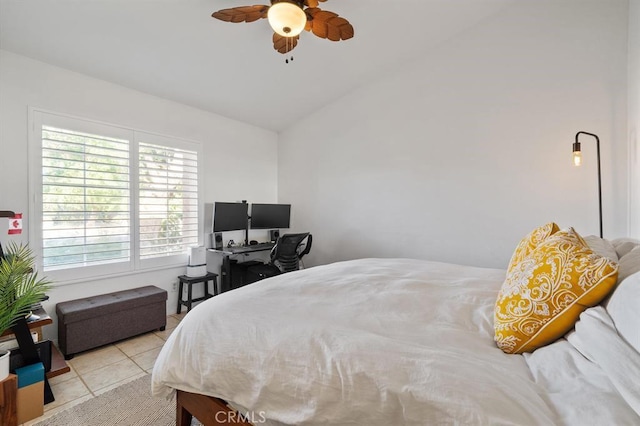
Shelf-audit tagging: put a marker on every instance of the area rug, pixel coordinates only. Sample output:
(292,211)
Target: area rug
(128,405)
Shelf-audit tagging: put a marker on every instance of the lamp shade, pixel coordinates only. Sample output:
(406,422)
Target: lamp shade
(287,19)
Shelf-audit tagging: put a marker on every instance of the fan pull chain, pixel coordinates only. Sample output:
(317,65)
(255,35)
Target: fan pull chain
(287,48)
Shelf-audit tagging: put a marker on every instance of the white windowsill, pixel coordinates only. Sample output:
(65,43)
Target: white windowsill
(63,283)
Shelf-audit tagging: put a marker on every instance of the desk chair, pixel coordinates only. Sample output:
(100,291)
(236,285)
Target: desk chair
(284,256)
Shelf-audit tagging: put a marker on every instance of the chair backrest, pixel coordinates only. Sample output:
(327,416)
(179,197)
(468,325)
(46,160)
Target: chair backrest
(285,253)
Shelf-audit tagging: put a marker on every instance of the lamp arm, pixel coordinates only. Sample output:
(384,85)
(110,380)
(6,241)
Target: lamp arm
(599,173)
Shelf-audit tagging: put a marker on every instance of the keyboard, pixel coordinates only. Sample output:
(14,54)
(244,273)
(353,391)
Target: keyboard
(262,245)
(247,249)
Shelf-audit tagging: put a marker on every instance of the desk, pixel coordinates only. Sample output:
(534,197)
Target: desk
(226,281)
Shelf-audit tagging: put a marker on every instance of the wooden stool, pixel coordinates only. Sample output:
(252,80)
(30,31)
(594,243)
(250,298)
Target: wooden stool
(189,281)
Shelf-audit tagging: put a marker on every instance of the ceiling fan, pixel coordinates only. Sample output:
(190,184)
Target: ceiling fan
(288,18)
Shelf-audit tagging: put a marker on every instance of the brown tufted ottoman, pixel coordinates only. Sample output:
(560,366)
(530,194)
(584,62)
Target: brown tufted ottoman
(99,320)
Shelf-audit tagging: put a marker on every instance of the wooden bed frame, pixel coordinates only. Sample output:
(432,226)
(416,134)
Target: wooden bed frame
(208,410)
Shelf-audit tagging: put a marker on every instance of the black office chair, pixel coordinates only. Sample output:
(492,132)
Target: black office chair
(284,256)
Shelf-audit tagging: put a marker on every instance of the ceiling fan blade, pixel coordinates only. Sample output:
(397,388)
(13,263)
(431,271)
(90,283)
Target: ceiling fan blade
(242,13)
(284,44)
(325,24)
(311,3)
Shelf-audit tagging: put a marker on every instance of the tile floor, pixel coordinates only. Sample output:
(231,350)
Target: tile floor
(100,370)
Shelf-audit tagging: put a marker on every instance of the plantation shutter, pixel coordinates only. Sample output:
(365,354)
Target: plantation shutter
(168,199)
(86,199)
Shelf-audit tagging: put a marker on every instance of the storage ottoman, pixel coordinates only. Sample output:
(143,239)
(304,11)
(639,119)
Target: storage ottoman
(91,322)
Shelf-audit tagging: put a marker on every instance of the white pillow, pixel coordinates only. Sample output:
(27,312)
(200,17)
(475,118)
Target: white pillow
(624,309)
(602,247)
(624,245)
(629,264)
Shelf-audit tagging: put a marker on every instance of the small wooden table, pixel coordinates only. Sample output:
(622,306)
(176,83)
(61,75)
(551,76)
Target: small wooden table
(58,364)
(35,322)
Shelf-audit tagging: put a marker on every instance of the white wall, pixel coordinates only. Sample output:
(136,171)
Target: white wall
(455,157)
(240,161)
(634,118)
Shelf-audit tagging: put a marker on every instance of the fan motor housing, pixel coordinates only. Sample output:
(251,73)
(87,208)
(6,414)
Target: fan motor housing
(297,2)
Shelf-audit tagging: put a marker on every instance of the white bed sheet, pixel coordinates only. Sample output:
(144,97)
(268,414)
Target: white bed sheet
(375,342)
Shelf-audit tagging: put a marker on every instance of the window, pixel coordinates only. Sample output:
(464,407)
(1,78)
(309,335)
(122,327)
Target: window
(85,199)
(168,194)
(109,199)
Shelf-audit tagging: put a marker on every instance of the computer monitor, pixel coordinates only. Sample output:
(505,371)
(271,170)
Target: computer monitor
(270,216)
(230,216)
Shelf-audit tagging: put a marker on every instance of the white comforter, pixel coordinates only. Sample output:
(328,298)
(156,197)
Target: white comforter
(379,342)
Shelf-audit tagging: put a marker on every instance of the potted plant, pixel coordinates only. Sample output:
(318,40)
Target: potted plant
(20,289)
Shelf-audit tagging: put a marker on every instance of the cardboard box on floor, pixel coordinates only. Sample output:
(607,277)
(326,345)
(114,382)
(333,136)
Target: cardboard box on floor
(30,399)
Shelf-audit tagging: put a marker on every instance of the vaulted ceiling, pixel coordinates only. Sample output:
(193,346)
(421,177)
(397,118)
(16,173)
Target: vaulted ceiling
(175,50)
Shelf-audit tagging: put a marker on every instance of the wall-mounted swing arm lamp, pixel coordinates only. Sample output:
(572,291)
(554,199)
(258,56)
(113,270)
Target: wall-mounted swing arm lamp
(577,160)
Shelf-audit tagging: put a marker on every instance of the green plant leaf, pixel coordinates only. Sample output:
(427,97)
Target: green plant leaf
(20,286)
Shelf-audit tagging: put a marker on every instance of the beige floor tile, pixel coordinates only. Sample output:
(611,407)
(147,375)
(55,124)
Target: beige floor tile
(66,392)
(137,345)
(146,359)
(114,373)
(180,315)
(164,335)
(172,322)
(96,359)
(120,383)
(64,377)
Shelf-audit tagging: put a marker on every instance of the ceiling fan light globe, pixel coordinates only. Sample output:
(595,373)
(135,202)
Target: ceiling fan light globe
(287,19)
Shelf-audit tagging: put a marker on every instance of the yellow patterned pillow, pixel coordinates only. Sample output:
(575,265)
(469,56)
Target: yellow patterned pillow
(544,294)
(530,242)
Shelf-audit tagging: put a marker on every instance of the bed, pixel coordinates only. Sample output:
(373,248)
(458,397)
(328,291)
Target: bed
(397,341)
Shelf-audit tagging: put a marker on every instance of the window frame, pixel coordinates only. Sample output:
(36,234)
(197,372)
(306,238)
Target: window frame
(38,117)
